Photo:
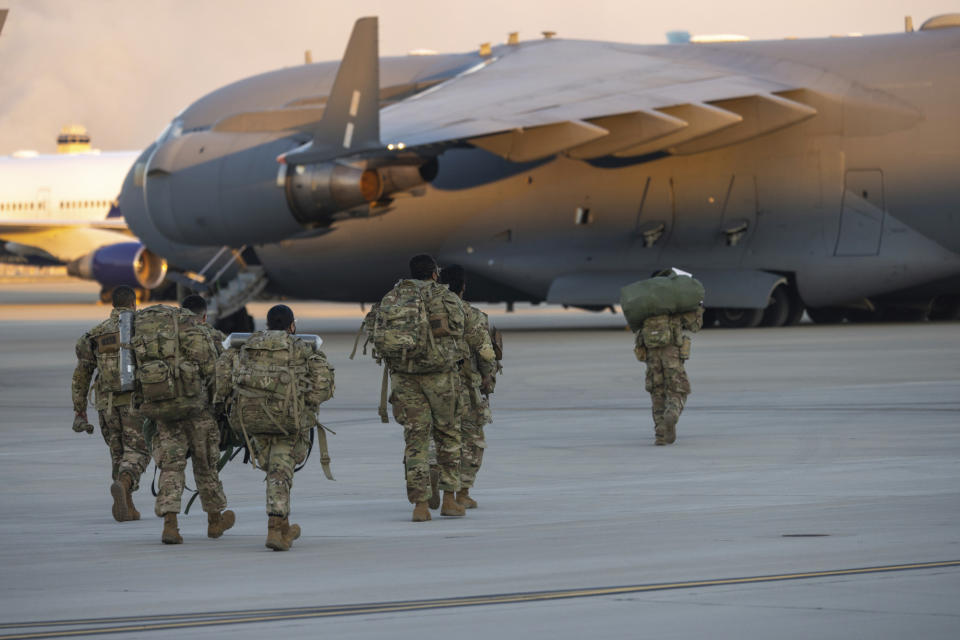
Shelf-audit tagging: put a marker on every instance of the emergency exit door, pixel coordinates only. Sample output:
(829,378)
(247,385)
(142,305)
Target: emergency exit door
(862,214)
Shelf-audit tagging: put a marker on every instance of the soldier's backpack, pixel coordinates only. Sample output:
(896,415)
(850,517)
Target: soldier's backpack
(408,324)
(268,381)
(169,380)
(662,295)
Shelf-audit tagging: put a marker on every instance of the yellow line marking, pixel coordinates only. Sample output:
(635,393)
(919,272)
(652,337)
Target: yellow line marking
(180,621)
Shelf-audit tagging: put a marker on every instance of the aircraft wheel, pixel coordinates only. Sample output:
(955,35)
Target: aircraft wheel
(796,310)
(739,318)
(945,308)
(778,309)
(827,315)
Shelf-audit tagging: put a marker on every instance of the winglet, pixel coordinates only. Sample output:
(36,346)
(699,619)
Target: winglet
(352,117)
(3,18)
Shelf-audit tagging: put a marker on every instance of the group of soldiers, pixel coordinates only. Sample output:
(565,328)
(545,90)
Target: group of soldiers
(438,351)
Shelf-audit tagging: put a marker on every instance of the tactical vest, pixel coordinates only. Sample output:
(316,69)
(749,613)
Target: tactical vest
(412,329)
(269,382)
(169,379)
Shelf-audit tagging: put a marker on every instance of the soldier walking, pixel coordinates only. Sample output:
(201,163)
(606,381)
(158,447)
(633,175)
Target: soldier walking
(663,344)
(98,351)
(176,358)
(478,368)
(417,329)
(273,385)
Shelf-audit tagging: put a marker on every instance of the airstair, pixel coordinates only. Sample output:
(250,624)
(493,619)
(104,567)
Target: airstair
(226,299)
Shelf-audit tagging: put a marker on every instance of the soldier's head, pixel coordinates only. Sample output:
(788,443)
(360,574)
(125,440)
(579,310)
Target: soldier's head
(423,267)
(124,298)
(280,318)
(455,277)
(196,305)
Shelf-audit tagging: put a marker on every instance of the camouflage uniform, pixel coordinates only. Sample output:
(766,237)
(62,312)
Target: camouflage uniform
(120,428)
(196,435)
(477,373)
(279,454)
(427,405)
(667,380)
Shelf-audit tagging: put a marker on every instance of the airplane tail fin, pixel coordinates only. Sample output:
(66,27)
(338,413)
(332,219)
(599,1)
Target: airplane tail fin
(351,120)
(3,18)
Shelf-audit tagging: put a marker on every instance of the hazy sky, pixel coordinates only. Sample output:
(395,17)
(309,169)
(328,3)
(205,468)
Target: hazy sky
(124,68)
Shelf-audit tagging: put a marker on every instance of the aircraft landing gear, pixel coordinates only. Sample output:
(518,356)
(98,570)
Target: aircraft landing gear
(778,310)
(739,318)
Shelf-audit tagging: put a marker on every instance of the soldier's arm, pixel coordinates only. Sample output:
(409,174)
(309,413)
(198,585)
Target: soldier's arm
(82,375)
(693,320)
(478,337)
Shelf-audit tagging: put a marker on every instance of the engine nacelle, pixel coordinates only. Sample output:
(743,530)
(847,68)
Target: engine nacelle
(125,263)
(319,194)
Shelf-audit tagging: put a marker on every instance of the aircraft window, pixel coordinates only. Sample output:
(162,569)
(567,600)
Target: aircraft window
(172,130)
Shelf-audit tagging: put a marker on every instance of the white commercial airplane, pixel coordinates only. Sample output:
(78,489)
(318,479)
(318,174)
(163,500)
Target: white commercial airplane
(61,209)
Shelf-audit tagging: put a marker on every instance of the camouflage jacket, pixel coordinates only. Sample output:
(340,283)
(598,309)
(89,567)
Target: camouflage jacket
(479,359)
(668,331)
(86,350)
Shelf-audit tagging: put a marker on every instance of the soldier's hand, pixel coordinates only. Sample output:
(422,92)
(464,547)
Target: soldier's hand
(80,424)
(486,386)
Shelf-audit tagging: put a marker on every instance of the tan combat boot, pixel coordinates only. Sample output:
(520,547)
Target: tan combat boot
(290,532)
(275,539)
(450,506)
(669,432)
(464,499)
(120,490)
(132,513)
(421,513)
(171,534)
(434,487)
(218,522)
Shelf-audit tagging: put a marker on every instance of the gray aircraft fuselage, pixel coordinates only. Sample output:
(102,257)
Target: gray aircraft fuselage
(860,201)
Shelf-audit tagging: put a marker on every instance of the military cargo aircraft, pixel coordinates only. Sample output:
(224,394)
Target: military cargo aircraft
(785,175)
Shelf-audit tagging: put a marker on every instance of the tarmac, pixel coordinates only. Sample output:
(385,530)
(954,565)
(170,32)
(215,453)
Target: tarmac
(814,491)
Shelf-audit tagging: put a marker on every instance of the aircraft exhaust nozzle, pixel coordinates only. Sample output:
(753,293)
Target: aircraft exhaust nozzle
(316,192)
(125,263)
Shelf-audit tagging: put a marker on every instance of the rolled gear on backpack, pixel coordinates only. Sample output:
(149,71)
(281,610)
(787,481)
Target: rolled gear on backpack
(661,295)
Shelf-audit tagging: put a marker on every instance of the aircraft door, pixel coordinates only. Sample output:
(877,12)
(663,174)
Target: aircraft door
(862,214)
(45,203)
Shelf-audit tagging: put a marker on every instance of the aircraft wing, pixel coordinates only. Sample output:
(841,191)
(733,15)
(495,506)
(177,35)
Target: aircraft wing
(62,241)
(593,99)
(12,227)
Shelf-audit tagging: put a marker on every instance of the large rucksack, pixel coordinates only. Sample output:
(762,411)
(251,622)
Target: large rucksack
(661,295)
(268,384)
(409,325)
(169,379)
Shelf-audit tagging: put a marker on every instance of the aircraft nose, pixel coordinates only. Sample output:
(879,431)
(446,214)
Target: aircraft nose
(132,201)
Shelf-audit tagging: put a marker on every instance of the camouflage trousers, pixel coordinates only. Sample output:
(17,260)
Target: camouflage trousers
(124,436)
(199,436)
(279,455)
(668,385)
(427,406)
(476,413)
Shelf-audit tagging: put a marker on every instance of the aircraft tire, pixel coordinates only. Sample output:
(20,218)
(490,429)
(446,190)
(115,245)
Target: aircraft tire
(778,310)
(739,318)
(945,308)
(827,315)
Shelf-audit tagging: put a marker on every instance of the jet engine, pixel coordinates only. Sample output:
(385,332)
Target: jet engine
(125,263)
(319,194)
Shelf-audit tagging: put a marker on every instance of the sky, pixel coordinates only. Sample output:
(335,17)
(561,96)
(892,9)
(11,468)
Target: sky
(124,68)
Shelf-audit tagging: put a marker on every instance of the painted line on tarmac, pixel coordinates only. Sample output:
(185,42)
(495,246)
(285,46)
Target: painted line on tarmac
(137,624)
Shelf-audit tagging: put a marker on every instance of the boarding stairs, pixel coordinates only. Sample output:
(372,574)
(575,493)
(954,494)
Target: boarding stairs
(226,299)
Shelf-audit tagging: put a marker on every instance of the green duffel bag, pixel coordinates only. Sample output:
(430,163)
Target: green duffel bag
(662,295)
